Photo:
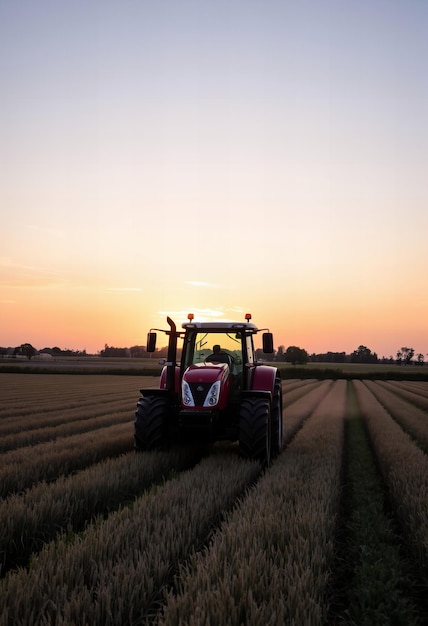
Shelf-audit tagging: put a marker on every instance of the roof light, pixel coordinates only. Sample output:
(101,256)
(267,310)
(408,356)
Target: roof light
(190,316)
(248,316)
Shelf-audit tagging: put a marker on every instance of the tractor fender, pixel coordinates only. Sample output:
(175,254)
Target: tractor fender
(163,378)
(159,393)
(264,378)
(256,393)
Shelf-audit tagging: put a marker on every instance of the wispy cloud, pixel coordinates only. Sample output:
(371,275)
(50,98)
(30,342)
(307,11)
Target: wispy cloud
(208,313)
(14,274)
(201,314)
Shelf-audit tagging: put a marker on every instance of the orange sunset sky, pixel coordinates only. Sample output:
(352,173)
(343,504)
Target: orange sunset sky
(217,158)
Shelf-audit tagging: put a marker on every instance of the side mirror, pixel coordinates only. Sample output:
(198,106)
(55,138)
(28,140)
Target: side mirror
(267,343)
(151,342)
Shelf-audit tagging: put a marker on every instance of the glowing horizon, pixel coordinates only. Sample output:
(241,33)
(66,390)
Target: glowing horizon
(149,171)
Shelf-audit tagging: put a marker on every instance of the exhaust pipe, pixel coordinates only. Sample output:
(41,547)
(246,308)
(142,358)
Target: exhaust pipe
(172,357)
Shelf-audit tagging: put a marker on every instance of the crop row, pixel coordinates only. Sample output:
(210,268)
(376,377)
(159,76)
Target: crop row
(415,395)
(32,518)
(57,417)
(59,394)
(223,541)
(411,418)
(24,467)
(64,429)
(113,574)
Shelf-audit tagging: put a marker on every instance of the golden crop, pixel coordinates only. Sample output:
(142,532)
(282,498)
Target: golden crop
(93,534)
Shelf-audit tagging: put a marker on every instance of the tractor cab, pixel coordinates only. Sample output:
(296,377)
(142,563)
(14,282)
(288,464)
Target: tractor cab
(218,345)
(222,342)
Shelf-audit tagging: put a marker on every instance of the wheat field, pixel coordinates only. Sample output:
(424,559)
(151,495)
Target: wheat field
(334,531)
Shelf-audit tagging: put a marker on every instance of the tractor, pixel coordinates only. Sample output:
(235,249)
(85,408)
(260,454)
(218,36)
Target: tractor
(217,392)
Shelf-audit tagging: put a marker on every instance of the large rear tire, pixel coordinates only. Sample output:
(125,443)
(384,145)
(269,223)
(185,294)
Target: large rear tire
(277,427)
(150,424)
(255,430)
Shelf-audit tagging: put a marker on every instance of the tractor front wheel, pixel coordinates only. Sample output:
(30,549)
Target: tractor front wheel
(150,424)
(255,430)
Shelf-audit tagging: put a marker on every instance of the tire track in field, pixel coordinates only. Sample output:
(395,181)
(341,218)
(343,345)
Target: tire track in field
(371,581)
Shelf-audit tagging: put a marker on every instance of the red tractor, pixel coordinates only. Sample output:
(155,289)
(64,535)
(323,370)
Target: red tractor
(217,392)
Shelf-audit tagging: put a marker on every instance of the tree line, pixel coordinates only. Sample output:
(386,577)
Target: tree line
(29,351)
(362,354)
(293,354)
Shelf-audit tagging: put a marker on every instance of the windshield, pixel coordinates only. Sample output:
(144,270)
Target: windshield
(213,346)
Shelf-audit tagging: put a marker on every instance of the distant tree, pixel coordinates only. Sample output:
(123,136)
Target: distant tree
(259,354)
(407,355)
(328,357)
(110,351)
(280,353)
(265,356)
(420,360)
(59,352)
(138,352)
(295,355)
(387,360)
(363,355)
(162,353)
(27,350)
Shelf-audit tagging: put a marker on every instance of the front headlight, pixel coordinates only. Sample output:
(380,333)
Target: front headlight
(213,394)
(186,394)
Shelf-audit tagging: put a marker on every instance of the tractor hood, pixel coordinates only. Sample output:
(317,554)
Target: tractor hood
(205,385)
(206,372)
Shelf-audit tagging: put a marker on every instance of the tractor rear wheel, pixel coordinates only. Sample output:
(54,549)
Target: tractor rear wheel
(277,429)
(150,423)
(255,430)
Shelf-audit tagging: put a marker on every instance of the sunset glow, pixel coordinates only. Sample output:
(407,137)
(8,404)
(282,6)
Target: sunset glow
(161,158)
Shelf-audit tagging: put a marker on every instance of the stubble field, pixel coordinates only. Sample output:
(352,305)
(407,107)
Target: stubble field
(335,531)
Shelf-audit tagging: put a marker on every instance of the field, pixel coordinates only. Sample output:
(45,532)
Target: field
(150,366)
(335,531)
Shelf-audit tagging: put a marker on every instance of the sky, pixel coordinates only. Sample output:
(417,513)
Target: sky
(173,156)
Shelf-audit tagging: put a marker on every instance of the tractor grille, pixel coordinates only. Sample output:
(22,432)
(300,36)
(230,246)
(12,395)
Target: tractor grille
(199,392)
